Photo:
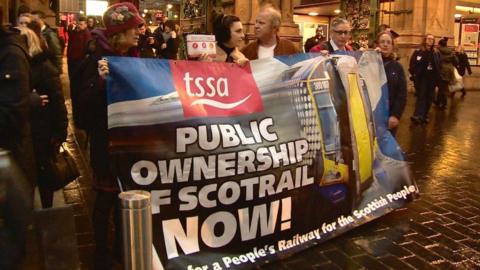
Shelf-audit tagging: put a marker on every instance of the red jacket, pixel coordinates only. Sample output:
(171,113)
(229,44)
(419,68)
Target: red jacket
(77,43)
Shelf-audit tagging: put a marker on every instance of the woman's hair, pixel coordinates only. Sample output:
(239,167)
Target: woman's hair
(170,24)
(221,27)
(117,40)
(33,42)
(37,29)
(424,41)
(388,33)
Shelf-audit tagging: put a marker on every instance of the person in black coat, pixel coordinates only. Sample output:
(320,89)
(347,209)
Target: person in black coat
(397,84)
(51,37)
(16,204)
(462,65)
(425,70)
(170,50)
(15,130)
(48,112)
(146,43)
(311,42)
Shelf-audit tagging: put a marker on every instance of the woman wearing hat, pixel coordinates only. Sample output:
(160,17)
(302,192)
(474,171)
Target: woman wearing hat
(119,38)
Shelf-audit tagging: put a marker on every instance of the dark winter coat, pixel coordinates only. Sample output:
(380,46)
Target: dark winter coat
(397,87)
(54,46)
(145,49)
(311,42)
(15,133)
(93,107)
(421,60)
(463,64)
(49,122)
(170,52)
(326,46)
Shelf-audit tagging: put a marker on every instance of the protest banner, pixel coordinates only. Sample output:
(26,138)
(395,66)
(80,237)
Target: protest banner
(248,163)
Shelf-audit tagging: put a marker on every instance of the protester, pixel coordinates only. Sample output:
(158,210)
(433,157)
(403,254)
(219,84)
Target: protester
(120,38)
(268,43)
(16,200)
(424,68)
(52,39)
(315,40)
(159,33)
(397,84)
(24,20)
(462,66)
(48,113)
(229,35)
(170,48)
(146,43)
(447,65)
(340,34)
(91,23)
(78,36)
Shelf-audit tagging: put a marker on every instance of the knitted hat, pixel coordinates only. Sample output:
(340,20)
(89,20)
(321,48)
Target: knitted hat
(120,17)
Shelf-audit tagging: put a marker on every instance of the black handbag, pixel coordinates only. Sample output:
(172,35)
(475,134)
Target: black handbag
(64,170)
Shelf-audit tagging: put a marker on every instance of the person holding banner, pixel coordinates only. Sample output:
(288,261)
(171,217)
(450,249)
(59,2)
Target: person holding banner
(340,35)
(397,84)
(268,43)
(229,35)
(120,38)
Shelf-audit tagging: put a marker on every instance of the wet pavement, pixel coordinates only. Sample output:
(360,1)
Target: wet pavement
(440,230)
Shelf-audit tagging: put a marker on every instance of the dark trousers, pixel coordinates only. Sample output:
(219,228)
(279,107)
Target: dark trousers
(105,203)
(442,93)
(425,94)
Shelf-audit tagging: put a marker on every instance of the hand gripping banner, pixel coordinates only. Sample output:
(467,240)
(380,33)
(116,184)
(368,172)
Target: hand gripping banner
(248,163)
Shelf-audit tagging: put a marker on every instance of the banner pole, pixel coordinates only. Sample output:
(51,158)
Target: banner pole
(136,229)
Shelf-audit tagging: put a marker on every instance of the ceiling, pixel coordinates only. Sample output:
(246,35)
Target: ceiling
(324,9)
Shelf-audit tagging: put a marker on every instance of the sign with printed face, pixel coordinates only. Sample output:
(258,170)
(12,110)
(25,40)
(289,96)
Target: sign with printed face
(246,164)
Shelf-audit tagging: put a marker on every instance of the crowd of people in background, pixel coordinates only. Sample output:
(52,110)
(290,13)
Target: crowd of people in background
(33,117)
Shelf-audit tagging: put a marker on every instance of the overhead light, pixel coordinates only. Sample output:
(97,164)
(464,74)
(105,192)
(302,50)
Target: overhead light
(458,16)
(175,16)
(145,11)
(143,15)
(467,9)
(169,6)
(81,12)
(337,11)
(313,13)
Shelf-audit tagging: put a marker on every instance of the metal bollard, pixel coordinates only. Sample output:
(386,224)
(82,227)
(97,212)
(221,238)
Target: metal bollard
(137,229)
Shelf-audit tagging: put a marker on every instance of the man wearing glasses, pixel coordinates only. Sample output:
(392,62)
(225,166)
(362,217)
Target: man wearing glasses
(339,36)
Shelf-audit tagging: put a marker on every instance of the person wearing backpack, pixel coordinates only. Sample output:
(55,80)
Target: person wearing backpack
(119,38)
(51,36)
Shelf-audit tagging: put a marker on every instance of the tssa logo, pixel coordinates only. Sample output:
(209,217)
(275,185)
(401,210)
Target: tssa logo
(216,89)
